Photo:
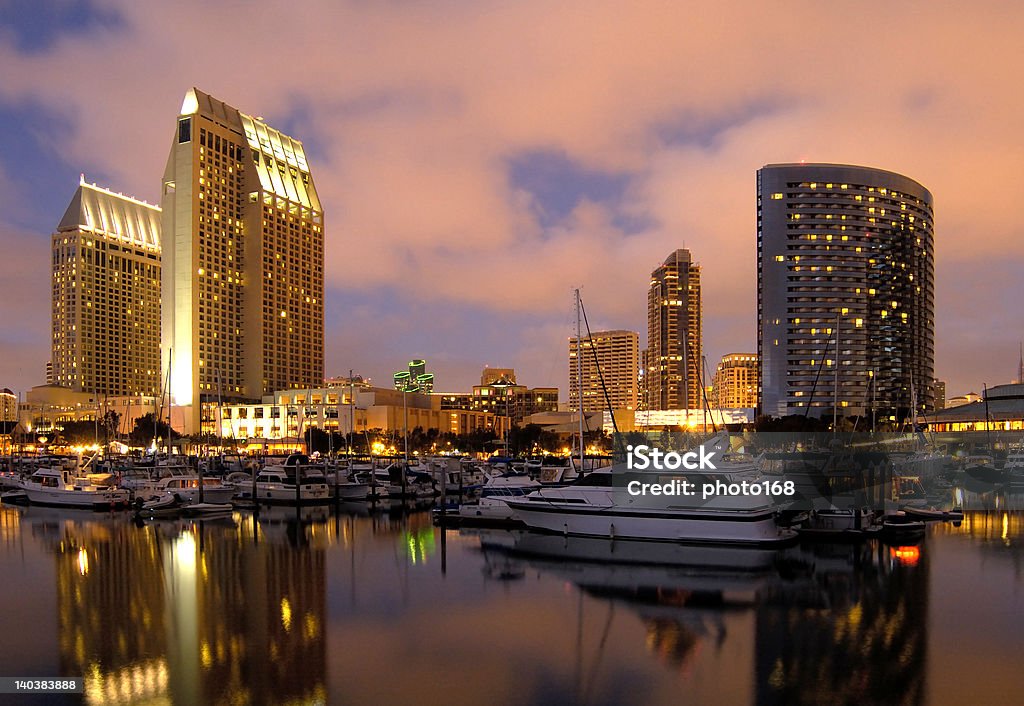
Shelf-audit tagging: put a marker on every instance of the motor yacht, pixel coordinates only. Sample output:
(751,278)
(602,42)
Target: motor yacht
(598,505)
(59,487)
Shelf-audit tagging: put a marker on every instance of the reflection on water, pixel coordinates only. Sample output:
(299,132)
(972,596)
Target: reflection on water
(186,613)
(313,606)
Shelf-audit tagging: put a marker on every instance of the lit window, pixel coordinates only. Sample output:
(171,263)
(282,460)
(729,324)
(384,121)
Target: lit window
(776,196)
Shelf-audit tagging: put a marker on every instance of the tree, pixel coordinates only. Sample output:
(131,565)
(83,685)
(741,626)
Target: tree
(83,432)
(143,432)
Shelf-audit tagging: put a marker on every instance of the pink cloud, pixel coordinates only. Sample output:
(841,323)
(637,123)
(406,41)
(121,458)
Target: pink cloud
(418,108)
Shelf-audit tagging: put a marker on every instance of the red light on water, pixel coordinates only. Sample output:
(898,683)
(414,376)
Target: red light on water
(908,556)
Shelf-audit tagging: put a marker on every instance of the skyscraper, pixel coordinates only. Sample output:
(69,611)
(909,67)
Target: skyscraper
(844,253)
(609,356)
(672,379)
(243,245)
(106,295)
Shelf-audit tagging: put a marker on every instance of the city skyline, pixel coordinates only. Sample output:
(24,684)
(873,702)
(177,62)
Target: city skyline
(468,197)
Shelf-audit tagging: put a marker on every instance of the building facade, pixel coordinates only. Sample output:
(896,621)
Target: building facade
(735,382)
(502,397)
(243,247)
(280,421)
(1000,408)
(608,357)
(846,281)
(938,394)
(672,379)
(8,412)
(105,320)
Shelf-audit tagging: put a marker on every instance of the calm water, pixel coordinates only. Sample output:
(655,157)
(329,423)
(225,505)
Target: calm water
(350,609)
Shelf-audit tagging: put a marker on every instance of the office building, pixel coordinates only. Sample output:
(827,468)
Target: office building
(609,363)
(672,379)
(845,254)
(939,394)
(735,383)
(106,295)
(243,246)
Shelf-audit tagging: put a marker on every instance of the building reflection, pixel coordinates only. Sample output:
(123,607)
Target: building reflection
(827,623)
(188,613)
(851,629)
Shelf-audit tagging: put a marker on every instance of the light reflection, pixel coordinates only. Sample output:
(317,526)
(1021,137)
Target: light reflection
(286,614)
(83,561)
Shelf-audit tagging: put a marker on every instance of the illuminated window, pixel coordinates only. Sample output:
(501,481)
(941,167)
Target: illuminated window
(776,196)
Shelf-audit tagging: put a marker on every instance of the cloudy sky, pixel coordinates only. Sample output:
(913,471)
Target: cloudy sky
(478,160)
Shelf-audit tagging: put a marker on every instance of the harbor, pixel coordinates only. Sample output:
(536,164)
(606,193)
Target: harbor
(351,604)
(289,597)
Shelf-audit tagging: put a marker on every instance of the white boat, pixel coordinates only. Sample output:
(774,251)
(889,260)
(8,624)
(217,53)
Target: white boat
(185,483)
(342,484)
(1014,466)
(492,507)
(593,507)
(275,484)
(58,487)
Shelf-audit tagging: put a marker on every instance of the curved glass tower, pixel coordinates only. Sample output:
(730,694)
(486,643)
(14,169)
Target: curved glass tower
(845,290)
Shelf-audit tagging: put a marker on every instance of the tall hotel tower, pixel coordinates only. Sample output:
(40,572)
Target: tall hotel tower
(243,267)
(672,379)
(106,295)
(844,253)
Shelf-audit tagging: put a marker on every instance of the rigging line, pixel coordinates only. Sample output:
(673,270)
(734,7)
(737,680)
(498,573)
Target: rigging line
(703,363)
(817,376)
(600,375)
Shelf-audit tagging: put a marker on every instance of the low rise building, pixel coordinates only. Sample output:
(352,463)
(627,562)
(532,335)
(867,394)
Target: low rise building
(1000,409)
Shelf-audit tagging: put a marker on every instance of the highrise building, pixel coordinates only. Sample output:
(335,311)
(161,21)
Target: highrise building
(8,408)
(845,254)
(938,394)
(672,379)
(243,244)
(735,384)
(611,357)
(106,295)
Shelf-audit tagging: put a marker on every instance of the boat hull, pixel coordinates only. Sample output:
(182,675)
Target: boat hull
(690,526)
(277,495)
(95,500)
(351,491)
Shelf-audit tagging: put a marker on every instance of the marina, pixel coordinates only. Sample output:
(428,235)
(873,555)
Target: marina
(318,604)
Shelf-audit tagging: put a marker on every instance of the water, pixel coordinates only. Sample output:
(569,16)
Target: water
(349,609)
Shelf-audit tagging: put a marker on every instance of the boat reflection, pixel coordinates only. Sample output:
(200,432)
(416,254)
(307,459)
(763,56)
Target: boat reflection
(829,623)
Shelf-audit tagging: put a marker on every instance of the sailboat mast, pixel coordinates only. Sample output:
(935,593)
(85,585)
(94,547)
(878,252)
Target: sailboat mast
(170,352)
(835,386)
(579,375)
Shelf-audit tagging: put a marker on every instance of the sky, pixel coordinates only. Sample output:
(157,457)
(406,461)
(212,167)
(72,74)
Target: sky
(477,161)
